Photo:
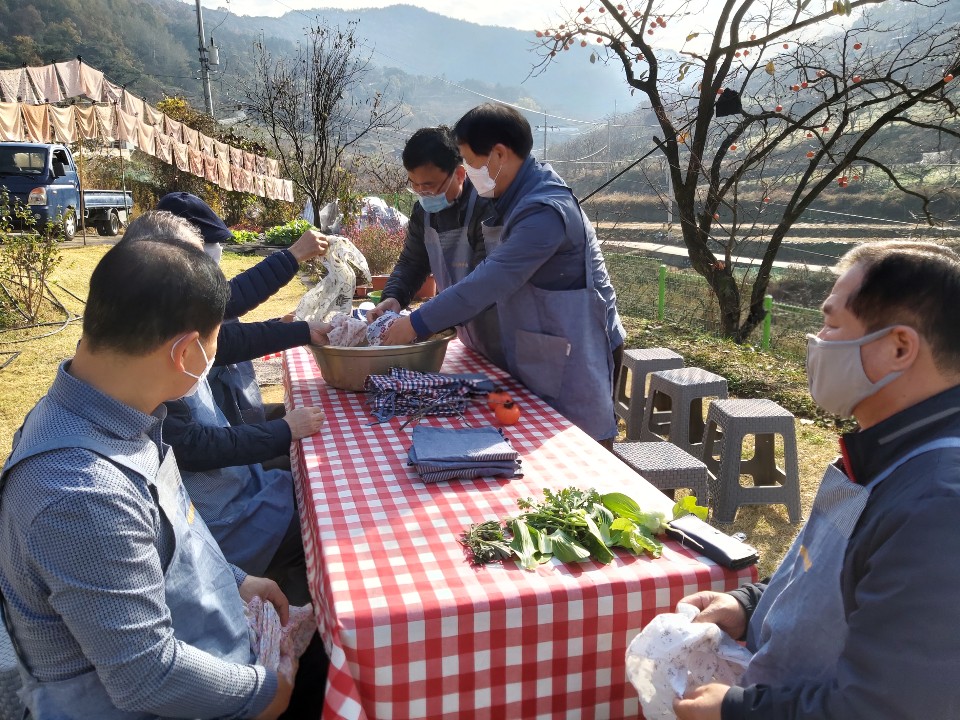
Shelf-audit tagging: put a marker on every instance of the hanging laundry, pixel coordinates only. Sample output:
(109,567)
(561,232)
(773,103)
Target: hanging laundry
(69,74)
(91,82)
(145,138)
(45,83)
(64,123)
(106,120)
(36,123)
(86,122)
(11,123)
(127,125)
(173,128)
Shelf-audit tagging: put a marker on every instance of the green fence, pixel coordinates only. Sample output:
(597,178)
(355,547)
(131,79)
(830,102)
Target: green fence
(646,288)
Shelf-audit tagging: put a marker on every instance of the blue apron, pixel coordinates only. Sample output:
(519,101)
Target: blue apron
(451,258)
(236,392)
(248,509)
(788,647)
(555,342)
(206,610)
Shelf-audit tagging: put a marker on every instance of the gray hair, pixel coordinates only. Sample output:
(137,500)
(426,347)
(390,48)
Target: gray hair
(160,225)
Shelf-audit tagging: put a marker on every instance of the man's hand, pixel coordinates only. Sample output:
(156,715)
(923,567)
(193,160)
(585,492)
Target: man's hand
(267,590)
(400,333)
(703,703)
(311,244)
(388,305)
(720,609)
(319,332)
(280,701)
(304,421)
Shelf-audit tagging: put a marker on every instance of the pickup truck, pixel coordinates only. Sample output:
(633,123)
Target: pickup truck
(43,177)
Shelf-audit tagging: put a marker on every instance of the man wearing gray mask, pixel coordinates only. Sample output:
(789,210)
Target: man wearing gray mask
(859,619)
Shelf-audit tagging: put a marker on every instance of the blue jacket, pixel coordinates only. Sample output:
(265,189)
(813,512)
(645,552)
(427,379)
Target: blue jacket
(900,583)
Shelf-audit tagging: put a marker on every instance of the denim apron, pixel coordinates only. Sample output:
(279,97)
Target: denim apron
(788,648)
(450,256)
(206,610)
(248,509)
(555,342)
(236,392)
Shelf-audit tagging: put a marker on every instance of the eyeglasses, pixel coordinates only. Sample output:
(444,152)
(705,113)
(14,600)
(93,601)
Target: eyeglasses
(430,189)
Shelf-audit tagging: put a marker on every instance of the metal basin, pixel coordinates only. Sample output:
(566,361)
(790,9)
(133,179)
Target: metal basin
(347,368)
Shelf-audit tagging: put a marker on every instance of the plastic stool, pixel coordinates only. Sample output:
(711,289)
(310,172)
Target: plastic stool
(637,364)
(10,706)
(685,389)
(665,466)
(771,485)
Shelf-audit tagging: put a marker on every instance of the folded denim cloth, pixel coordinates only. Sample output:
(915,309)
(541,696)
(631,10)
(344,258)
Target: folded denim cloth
(450,453)
(483,444)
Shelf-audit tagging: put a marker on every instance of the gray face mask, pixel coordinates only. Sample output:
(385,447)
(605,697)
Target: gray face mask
(200,378)
(835,373)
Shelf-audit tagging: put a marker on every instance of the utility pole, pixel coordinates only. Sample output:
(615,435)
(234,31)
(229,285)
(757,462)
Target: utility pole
(204,63)
(544,159)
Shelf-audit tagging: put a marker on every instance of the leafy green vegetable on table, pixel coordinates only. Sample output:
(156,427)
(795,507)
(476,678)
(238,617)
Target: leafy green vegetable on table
(574,525)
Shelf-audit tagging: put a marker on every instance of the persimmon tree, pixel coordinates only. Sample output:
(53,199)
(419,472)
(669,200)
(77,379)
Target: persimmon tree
(315,109)
(775,100)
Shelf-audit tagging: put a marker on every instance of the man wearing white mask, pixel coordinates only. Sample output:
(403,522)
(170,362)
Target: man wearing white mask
(118,601)
(560,332)
(859,621)
(444,235)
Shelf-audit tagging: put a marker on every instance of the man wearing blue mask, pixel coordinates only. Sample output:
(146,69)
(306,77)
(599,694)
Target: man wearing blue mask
(859,621)
(117,599)
(444,234)
(544,274)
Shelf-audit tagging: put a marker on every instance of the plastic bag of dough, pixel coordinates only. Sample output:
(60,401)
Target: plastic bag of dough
(277,647)
(673,654)
(334,293)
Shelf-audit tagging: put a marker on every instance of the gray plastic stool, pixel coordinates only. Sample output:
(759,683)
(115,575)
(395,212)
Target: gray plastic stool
(637,364)
(10,706)
(685,389)
(665,466)
(763,419)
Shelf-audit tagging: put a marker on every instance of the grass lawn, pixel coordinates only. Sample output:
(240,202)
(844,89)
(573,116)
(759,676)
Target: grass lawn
(751,374)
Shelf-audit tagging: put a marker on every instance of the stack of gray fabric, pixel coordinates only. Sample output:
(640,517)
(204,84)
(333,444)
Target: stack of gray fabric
(452,453)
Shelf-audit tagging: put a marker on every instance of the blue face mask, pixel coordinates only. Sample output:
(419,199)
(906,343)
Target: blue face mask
(438,202)
(434,203)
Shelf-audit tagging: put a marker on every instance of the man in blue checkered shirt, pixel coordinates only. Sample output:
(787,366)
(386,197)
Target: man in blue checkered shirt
(117,599)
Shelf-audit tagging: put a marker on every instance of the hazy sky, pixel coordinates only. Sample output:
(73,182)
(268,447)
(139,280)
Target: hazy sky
(522,14)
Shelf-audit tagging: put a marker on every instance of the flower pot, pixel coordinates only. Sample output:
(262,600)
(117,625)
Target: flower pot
(380,281)
(362,291)
(428,289)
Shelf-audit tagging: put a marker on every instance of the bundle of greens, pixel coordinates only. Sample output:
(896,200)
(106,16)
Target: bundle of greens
(573,525)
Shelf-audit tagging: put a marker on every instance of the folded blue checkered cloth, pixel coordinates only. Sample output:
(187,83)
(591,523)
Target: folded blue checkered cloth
(450,453)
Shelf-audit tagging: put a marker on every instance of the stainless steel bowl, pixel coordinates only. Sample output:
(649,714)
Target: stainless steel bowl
(347,367)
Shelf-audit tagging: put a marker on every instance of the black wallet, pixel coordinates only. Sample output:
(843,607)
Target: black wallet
(692,532)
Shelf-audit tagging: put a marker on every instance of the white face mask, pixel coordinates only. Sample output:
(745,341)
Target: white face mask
(201,376)
(214,250)
(835,373)
(480,177)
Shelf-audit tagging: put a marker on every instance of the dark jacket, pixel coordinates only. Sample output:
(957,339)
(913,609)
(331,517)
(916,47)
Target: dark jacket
(252,287)
(900,584)
(199,447)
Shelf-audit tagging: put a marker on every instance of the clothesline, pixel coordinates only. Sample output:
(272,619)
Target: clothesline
(26,114)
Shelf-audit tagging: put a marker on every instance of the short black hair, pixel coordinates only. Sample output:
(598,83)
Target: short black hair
(142,293)
(492,123)
(915,288)
(433,146)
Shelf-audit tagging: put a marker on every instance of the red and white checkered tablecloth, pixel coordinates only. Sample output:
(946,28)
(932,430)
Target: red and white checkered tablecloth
(413,629)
